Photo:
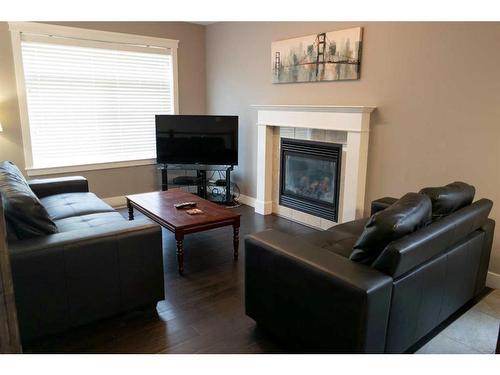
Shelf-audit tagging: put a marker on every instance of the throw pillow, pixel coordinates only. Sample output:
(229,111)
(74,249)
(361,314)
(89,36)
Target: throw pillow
(24,214)
(449,198)
(405,216)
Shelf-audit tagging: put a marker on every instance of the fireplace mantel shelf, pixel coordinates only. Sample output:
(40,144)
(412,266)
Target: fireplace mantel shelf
(316,108)
(328,117)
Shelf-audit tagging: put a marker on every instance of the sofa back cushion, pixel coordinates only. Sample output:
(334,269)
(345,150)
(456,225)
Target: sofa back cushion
(450,198)
(405,216)
(407,253)
(24,214)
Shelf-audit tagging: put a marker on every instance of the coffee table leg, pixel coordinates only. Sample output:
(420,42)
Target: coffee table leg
(130,210)
(236,240)
(180,253)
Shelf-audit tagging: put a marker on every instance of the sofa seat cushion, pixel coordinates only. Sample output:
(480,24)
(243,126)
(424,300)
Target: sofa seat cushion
(26,217)
(339,239)
(61,206)
(88,221)
(355,227)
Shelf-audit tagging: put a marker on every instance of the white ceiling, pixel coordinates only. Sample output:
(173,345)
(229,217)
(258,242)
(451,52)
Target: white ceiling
(204,23)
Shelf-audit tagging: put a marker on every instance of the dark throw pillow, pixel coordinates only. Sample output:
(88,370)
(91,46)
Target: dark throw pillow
(25,215)
(405,216)
(449,198)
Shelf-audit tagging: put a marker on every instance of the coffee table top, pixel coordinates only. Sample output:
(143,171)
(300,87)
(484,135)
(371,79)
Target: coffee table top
(160,204)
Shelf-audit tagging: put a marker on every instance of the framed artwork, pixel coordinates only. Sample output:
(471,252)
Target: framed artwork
(331,56)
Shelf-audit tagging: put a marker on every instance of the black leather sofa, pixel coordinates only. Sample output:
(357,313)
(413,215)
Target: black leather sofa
(310,295)
(97,264)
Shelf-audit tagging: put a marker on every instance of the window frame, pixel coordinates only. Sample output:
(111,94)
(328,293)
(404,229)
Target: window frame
(85,35)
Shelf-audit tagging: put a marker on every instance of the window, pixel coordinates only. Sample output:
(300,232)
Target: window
(90,102)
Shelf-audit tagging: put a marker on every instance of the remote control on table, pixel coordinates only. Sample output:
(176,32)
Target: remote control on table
(184,205)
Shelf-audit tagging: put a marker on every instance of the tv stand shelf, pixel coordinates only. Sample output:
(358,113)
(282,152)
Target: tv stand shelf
(205,187)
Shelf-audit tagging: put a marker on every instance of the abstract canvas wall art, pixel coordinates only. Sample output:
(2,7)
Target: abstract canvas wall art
(331,56)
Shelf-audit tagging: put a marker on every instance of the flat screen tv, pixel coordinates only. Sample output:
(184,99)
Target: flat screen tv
(192,139)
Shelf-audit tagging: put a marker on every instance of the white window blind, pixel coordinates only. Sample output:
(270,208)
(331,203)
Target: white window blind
(90,105)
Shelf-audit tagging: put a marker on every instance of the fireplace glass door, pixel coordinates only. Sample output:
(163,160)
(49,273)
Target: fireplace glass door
(310,175)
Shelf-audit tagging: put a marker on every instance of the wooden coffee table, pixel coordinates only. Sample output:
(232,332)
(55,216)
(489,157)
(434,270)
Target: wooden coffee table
(159,207)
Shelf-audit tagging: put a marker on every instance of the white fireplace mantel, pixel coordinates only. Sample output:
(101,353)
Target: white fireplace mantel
(354,120)
(316,108)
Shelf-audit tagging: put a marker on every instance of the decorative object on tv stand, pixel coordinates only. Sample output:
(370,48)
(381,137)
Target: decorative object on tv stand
(330,56)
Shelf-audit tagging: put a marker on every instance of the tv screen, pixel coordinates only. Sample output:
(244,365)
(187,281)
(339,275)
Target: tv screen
(191,139)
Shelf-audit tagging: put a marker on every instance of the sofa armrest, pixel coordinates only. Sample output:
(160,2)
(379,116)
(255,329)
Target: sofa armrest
(489,230)
(59,185)
(71,278)
(314,298)
(381,204)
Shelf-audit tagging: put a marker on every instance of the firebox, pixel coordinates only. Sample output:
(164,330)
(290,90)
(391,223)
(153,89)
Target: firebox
(310,177)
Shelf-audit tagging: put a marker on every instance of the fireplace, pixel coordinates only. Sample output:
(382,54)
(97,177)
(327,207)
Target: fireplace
(310,177)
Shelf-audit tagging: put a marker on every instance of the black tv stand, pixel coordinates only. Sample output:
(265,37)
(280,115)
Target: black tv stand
(200,180)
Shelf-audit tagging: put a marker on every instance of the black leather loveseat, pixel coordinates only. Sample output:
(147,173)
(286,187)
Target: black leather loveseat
(93,264)
(313,294)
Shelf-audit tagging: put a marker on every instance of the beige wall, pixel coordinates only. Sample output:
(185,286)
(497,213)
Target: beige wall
(119,181)
(436,86)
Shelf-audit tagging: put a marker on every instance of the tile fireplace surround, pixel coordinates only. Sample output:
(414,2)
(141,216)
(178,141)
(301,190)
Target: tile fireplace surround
(348,125)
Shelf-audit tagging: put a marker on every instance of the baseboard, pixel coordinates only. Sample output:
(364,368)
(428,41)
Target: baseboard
(263,207)
(245,199)
(116,202)
(493,280)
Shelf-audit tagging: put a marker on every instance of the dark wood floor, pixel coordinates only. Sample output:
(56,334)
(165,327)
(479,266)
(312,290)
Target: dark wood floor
(203,311)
